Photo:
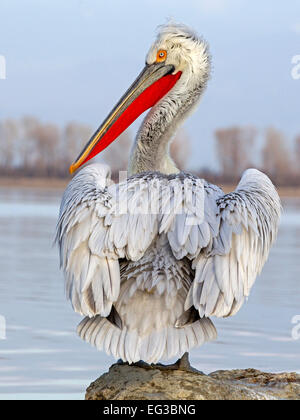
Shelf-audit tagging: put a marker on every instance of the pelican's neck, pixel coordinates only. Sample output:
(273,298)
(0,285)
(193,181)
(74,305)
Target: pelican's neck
(154,158)
(150,151)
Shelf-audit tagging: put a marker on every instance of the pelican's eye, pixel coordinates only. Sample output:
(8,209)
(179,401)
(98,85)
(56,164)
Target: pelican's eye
(161,55)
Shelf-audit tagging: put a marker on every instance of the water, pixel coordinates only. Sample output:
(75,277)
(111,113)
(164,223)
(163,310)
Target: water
(42,357)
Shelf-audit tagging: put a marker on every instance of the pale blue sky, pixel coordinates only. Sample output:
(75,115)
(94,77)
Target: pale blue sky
(72,60)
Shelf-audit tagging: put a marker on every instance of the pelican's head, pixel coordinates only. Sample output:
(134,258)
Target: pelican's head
(178,61)
(179,46)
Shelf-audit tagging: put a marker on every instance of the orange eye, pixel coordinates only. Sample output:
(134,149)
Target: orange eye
(161,55)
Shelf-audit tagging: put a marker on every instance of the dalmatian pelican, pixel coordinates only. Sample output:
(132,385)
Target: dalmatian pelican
(147,261)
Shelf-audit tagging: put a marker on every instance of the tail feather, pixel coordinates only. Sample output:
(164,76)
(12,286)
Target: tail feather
(158,345)
(148,321)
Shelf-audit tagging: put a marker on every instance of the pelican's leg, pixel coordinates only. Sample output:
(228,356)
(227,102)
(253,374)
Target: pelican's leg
(182,364)
(121,362)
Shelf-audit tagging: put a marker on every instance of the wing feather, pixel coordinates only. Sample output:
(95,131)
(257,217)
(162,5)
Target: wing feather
(248,225)
(92,279)
(226,237)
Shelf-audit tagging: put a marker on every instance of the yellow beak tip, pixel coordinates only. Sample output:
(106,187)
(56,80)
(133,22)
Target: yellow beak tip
(72,169)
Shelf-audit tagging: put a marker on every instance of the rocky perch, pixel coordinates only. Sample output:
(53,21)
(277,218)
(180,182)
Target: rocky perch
(124,382)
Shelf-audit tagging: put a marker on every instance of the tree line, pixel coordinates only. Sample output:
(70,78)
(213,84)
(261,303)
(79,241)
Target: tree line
(30,148)
(238,149)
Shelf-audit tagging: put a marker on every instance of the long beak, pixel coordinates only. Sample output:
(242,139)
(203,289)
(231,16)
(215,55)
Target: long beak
(150,86)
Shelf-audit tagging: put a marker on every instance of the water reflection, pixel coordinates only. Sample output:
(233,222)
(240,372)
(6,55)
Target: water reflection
(43,357)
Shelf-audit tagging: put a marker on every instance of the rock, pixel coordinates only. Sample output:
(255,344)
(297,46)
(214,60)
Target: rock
(124,382)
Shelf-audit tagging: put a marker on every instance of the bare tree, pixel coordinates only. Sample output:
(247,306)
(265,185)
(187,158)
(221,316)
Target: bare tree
(8,137)
(32,148)
(297,155)
(235,149)
(276,157)
(180,149)
(117,154)
(27,153)
(46,139)
(75,136)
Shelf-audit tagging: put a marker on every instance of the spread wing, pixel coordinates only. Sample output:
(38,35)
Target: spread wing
(226,271)
(92,279)
(227,237)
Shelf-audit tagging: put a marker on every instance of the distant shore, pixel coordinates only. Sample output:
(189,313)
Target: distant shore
(34,182)
(60,184)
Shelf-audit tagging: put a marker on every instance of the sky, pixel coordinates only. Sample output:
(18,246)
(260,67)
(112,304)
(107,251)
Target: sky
(71,60)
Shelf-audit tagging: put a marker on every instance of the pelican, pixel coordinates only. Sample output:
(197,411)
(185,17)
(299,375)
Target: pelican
(147,261)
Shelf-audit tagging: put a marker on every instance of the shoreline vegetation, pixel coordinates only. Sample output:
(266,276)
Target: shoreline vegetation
(33,149)
(61,183)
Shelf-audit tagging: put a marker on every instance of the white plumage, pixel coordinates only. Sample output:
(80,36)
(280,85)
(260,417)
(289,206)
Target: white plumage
(167,266)
(148,260)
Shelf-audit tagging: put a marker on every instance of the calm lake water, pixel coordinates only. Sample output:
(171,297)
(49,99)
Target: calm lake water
(42,357)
